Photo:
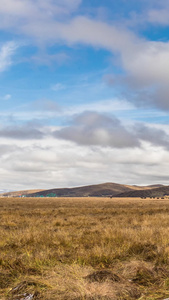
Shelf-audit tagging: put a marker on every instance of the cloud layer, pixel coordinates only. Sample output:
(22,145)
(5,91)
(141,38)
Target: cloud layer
(49,163)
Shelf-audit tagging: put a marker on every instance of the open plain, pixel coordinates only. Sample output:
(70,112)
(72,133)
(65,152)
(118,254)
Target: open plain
(84,248)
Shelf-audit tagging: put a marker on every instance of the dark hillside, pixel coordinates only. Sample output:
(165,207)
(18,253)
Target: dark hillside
(156,192)
(98,190)
(105,189)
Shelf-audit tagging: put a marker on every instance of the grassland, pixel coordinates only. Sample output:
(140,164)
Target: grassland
(86,248)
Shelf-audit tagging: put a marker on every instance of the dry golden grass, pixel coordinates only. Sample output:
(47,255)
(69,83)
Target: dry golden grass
(86,248)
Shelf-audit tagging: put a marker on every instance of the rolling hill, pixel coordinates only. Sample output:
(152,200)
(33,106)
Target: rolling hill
(105,189)
(99,190)
(151,192)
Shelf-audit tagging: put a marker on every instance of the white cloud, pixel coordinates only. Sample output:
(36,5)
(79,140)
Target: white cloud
(57,87)
(160,17)
(7,51)
(103,106)
(25,11)
(20,132)
(158,14)
(91,128)
(149,64)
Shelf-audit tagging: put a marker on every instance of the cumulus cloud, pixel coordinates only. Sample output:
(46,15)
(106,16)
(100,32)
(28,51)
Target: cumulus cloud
(91,128)
(146,79)
(22,132)
(37,8)
(154,136)
(15,14)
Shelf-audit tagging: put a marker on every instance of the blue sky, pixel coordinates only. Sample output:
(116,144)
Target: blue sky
(83,92)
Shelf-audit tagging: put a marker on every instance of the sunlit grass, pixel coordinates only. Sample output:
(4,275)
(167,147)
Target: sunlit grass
(57,248)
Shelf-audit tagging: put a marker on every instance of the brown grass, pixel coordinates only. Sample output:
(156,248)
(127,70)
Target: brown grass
(86,248)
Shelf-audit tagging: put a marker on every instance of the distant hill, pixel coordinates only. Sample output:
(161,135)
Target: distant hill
(147,187)
(20,193)
(155,186)
(99,190)
(152,192)
(105,189)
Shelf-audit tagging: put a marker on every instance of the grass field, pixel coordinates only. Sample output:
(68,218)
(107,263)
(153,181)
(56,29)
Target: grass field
(87,248)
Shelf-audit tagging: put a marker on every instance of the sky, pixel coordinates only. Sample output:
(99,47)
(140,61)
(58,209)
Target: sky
(84,93)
